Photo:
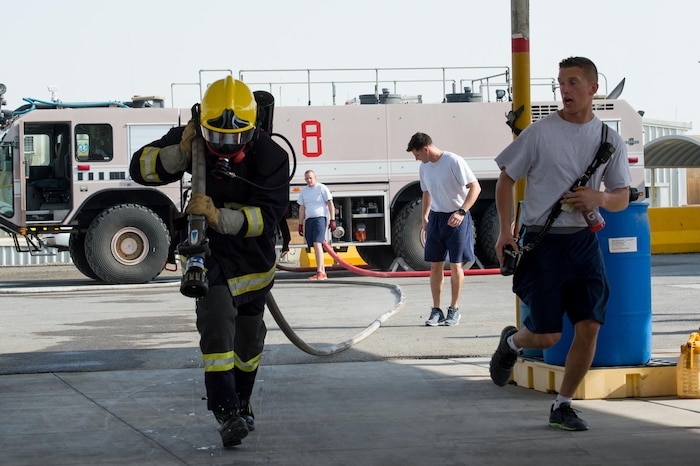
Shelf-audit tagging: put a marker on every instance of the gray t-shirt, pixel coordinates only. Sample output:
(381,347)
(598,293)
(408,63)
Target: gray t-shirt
(446,180)
(552,154)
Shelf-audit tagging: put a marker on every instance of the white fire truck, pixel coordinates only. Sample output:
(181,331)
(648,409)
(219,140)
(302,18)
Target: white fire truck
(359,149)
(65,167)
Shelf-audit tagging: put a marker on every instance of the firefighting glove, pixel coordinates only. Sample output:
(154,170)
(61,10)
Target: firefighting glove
(301,230)
(332,225)
(176,158)
(187,136)
(225,221)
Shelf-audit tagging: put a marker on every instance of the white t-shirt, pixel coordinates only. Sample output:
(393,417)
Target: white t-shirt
(552,154)
(314,199)
(446,180)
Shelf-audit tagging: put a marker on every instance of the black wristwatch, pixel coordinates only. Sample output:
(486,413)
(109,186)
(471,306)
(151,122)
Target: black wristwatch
(462,212)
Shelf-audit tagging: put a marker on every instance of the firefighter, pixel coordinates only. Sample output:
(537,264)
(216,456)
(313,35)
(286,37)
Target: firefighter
(247,192)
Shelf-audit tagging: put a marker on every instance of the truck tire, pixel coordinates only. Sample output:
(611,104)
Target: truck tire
(127,243)
(408,236)
(487,235)
(76,248)
(377,257)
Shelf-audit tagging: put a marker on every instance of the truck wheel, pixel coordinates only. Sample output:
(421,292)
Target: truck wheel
(127,243)
(408,236)
(377,257)
(487,235)
(76,247)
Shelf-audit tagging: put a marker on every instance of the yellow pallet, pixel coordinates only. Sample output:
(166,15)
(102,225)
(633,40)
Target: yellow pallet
(351,256)
(657,378)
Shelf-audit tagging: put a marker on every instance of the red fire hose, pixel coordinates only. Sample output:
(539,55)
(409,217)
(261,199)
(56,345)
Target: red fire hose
(374,273)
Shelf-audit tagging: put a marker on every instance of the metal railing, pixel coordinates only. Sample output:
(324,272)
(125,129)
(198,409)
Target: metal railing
(446,78)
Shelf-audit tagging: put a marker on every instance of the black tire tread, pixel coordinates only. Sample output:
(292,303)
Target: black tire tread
(99,234)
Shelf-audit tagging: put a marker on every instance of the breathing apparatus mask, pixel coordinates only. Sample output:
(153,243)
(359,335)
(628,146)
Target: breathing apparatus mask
(227,145)
(227,118)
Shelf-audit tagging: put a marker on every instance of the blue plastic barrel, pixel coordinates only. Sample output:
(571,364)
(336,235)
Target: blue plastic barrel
(625,338)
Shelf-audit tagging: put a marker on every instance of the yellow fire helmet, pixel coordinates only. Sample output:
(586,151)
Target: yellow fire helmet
(227,115)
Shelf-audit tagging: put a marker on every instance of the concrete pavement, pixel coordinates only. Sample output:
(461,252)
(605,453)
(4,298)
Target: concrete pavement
(400,412)
(405,395)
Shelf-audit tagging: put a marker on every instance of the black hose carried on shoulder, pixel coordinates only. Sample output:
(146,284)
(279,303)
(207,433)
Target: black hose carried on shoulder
(196,247)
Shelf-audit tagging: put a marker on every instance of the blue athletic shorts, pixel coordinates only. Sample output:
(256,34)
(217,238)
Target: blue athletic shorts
(315,230)
(442,239)
(563,273)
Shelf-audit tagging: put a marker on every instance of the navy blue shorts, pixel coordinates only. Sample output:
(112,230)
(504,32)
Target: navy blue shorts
(315,230)
(563,273)
(442,239)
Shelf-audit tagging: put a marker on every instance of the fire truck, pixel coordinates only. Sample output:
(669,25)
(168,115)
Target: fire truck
(65,172)
(65,166)
(359,149)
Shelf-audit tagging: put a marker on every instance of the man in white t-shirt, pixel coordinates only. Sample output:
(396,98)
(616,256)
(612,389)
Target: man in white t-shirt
(315,202)
(450,189)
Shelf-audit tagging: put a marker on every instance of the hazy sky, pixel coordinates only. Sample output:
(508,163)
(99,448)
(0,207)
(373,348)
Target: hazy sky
(107,50)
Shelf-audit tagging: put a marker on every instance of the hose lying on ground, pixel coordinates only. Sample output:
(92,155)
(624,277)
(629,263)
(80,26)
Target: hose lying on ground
(410,273)
(381,274)
(338,347)
(333,349)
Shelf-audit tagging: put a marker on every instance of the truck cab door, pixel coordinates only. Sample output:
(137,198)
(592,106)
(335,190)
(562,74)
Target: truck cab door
(47,151)
(12,175)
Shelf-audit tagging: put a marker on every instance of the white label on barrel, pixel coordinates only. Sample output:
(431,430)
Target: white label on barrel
(617,245)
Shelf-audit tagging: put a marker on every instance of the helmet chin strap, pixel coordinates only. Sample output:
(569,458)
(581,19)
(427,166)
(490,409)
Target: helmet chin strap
(235,158)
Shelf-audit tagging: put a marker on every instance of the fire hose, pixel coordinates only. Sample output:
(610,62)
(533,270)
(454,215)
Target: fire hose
(381,274)
(194,282)
(333,349)
(338,347)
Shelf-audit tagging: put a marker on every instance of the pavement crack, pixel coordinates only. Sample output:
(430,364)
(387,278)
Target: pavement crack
(118,418)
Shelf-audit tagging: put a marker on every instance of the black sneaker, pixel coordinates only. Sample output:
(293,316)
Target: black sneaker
(246,412)
(233,429)
(503,359)
(564,417)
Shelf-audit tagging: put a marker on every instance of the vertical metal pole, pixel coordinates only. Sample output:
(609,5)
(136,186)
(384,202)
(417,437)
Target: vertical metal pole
(308,85)
(520,44)
(520,49)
